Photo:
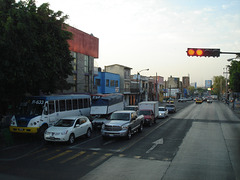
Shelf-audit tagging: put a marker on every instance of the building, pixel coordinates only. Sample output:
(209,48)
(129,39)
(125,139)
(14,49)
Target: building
(185,85)
(84,48)
(125,79)
(208,83)
(107,82)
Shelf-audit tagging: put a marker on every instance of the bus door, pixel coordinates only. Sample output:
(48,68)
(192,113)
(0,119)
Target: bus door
(50,115)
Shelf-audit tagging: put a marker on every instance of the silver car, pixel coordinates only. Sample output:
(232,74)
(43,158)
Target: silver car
(162,112)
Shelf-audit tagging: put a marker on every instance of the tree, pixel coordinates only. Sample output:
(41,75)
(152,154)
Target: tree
(35,55)
(191,90)
(219,85)
(234,77)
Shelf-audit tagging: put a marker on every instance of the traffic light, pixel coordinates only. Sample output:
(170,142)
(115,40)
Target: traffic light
(203,52)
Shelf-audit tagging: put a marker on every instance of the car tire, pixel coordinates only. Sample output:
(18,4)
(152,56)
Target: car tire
(89,132)
(140,129)
(129,134)
(71,139)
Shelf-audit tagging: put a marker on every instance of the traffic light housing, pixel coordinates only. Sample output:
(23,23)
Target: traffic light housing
(199,52)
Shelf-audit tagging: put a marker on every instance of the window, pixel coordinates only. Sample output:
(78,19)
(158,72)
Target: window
(86,64)
(86,103)
(80,103)
(51,107)
(112,83)
(75,105)
(62,105)
(57,105)
(69,104)
(107,83)
(98,82)
(116,83)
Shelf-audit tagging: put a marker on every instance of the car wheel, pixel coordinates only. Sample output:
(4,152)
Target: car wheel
(89,132)
(129,134)
(150,123)
(71,139)
(140,128)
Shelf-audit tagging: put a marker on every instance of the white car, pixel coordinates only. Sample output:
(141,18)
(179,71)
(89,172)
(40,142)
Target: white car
(162,112)
(69,128)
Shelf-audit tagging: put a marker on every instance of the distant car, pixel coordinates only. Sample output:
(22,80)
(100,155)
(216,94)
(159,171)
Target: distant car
(199,101)
(170,101)
(134,108)
(209,100)
(171,108)
(182,100)
(69,128)
(162,112)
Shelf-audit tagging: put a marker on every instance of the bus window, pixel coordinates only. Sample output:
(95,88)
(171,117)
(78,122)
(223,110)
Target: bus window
(80,103)
(69,104)
(62,105)
(51,107)
(86,103)
(75,105)
(57,106)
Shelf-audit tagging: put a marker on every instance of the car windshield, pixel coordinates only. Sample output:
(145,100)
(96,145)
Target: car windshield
(120,116)
(171,106)
(161,109)
(64,123)
(144,112)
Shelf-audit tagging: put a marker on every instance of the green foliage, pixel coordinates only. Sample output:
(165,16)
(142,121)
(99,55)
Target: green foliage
(219,85)
(191,90)
(35,55)
(234,78)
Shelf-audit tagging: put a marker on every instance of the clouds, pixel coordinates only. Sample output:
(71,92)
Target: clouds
(155,34)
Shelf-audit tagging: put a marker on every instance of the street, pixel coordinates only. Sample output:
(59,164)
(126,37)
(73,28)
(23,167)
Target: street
(199,141)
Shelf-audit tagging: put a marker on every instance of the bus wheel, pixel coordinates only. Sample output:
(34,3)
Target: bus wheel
(71,139)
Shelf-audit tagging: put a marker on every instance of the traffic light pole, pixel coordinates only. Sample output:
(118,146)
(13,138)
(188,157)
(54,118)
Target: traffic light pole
(237,53)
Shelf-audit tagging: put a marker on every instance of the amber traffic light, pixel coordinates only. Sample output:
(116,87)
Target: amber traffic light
(203,52)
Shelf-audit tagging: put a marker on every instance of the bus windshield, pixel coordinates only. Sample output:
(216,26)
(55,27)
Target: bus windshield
(31,107)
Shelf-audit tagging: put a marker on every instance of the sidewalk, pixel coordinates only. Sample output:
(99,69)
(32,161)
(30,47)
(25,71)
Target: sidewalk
(236,111)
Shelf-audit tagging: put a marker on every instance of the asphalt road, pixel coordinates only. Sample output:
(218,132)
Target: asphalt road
(198,142)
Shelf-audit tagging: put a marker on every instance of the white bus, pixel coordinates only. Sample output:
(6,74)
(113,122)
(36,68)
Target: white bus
(37,113)
(103,104)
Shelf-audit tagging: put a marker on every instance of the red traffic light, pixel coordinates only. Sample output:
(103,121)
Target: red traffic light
(203,52)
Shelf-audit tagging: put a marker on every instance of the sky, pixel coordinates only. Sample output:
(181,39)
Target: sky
(155,34)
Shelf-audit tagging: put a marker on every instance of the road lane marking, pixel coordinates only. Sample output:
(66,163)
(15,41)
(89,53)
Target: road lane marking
(73,157)
(102,158)
(155,143)
(59,155)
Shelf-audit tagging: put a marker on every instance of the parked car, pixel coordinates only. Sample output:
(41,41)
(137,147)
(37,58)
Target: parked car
(171,108)
(162,112)
(149,109)
(122,124)
(69,128)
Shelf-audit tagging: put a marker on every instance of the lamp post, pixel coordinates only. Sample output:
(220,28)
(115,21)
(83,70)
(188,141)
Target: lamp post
(138,84)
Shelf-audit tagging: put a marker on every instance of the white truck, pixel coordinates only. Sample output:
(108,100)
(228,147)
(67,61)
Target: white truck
(149,109)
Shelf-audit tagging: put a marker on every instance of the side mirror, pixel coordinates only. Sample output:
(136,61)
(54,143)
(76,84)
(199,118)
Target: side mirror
(77,125)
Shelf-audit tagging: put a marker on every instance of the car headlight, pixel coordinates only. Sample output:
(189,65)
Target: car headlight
(124,127)
(62,133)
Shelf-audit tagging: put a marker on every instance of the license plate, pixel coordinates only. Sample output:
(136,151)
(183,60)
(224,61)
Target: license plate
(21,129)
(111,135)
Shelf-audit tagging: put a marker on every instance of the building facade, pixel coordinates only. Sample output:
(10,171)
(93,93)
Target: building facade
(125,79)
(84,48)
(107,82)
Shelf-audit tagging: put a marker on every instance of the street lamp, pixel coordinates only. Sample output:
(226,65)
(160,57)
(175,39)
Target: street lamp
(138,73)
